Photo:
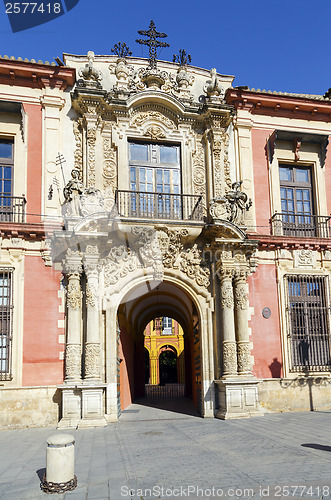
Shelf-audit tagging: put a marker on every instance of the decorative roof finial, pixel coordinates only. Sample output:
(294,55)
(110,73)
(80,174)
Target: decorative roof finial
(121,50)
(183,58)
(152,43)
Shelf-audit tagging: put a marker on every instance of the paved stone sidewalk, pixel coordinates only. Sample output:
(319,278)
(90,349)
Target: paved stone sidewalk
(158,448)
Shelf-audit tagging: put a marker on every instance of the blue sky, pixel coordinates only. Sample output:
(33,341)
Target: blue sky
(283,45)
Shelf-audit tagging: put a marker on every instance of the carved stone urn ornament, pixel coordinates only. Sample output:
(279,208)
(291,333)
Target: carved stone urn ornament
(122,70)
(183,79)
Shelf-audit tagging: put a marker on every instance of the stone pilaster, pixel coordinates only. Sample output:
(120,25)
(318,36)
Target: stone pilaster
(228,326)
(73,349)
(241,312)
(154,374)
(92,346)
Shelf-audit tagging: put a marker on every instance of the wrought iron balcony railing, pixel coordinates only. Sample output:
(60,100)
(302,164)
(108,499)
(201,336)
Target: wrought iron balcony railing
(305,225)
(142,205)
(12,209)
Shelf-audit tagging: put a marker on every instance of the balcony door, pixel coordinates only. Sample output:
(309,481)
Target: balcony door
(6,176)
(155,181)
(297,200)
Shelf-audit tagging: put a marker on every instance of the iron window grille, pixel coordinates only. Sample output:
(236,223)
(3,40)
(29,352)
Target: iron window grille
(6,323)
(308,323)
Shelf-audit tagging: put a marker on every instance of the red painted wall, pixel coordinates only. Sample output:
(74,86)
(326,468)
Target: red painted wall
(34,161)
(261,180)
(126,355)
(328,177)
(41,348)
(266,339)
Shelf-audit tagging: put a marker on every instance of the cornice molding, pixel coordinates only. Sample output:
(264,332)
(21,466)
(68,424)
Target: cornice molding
(23,74)
(280,105)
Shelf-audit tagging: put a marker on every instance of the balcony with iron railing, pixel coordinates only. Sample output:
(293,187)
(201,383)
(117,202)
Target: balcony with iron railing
(143,205)
(301,225)
(12,209)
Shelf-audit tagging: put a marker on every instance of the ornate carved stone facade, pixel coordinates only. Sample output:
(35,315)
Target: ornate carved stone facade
(155,237)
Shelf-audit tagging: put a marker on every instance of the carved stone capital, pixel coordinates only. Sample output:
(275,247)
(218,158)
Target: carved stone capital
(92,361)
(240,275)
(72,265)
(73,362)
(244,357)
(224,273)
(229,358)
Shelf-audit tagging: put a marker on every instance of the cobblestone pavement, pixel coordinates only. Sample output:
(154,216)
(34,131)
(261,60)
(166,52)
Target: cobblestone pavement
(275,456)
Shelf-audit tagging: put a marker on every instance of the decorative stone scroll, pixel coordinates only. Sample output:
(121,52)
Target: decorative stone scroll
(199,173)
(218,174)
(143,116)
(304,258)
(120,261)
(78,154)
(158,248)
(91,135)
(109,173)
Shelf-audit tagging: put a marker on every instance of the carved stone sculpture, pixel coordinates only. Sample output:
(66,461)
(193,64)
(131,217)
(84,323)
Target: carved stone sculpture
(220,208)
(72,193)
(91,76)
(214,88)
(238,203)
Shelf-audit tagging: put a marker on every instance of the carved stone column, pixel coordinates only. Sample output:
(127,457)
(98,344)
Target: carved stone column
(228,326)
(241,311)
(73,351)
(92,346)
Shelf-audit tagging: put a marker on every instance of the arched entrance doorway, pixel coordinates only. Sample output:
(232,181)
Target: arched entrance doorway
(159,342)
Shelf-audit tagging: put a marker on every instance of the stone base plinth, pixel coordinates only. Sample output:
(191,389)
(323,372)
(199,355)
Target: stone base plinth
(82,405)
(238,398)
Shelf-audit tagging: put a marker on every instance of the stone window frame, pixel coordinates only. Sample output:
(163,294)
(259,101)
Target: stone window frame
(309,157)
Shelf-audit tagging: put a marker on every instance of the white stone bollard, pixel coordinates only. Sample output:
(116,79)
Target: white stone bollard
(60,455)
